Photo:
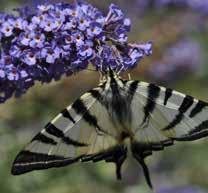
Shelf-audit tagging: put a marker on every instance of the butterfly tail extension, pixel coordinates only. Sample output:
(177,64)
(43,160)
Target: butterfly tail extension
(139,153)
(118,157)
(116,154)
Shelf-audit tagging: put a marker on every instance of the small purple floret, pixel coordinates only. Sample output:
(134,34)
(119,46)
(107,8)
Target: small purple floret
(59,39)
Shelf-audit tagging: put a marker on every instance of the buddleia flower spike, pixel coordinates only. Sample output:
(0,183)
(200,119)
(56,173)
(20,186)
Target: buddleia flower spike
(60,39)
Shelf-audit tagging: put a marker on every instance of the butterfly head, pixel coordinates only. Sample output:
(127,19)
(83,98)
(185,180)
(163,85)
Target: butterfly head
(112,79)
(111,75)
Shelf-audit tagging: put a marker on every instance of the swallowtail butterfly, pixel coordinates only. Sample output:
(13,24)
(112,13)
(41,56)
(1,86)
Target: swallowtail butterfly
(97,125)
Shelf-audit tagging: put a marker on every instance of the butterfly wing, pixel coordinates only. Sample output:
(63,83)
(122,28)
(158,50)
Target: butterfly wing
(81,132)
(161,116)
(165,115)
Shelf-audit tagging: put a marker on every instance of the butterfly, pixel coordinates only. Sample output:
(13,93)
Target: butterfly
(118,117)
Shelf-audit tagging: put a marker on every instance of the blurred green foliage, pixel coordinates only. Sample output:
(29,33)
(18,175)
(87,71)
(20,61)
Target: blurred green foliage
(20,119)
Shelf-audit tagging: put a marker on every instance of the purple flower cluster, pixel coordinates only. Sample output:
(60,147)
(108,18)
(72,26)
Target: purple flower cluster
(62,38)
(182,58)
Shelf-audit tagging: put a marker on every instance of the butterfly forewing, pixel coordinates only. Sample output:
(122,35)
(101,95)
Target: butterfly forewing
(78,131)
(161,114)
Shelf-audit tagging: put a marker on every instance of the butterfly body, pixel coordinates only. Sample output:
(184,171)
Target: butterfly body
(117,119)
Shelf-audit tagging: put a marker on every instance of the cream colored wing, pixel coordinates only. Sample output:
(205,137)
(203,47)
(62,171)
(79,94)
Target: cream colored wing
(161,115)
(81,132)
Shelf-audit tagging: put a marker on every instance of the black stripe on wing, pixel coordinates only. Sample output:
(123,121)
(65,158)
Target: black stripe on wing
(196,133)
(67,115)
(168,94)
(200,127)
(145,149)
(198,108)
(132,89)
(153,94)
(81,109)
(186,104)
(44,139)
(193,137)
(96,94)
(27,161)
(52,130)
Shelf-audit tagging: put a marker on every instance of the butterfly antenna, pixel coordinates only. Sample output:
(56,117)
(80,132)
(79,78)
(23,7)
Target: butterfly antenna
(129,76)
(91,70)
(102,77)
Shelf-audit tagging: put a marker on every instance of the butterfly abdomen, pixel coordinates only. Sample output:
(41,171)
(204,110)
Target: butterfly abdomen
(117,103)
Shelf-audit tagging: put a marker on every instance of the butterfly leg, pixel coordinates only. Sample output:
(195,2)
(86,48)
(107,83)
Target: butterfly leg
(139,153)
